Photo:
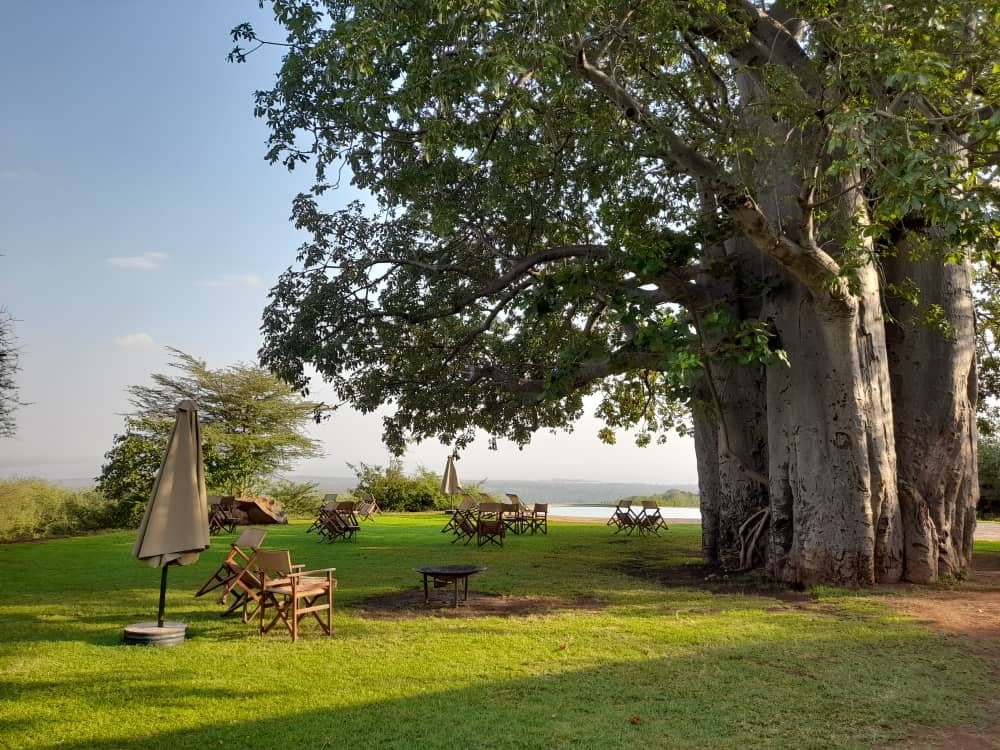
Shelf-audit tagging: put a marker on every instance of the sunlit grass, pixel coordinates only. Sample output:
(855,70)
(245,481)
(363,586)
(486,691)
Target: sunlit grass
(646,666)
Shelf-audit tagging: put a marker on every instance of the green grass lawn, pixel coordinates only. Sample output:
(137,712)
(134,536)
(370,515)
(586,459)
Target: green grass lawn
(649,666)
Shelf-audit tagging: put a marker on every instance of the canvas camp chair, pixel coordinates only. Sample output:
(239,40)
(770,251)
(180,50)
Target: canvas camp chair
(340,523)
(362,510)
(368,508)
(464,507)
(650,518)
(539,519)
(465,522)
(614,520)
(329,501)
(220,518)
(519,515)
(235,576)
(623,517)
(490,524)
(291,593)
(347,510)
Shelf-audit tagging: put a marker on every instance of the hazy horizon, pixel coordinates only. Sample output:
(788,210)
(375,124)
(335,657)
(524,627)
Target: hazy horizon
(341,482)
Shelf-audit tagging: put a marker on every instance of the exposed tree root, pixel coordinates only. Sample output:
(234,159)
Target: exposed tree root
(749,534)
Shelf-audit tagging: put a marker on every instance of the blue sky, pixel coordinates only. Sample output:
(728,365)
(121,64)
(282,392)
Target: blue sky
(137,212)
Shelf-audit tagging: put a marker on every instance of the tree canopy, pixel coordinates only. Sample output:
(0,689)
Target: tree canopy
(542,173)
(251,427)
(652,202)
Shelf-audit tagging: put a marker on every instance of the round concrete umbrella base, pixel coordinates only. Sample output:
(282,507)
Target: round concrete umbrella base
(148,634)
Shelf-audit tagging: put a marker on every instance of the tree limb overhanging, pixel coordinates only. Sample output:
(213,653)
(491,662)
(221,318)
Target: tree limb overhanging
(618,200)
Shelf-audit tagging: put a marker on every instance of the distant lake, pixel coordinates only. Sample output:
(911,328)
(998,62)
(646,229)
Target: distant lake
(562,491)
(604,512)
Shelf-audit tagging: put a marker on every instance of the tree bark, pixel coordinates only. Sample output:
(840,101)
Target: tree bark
(730,416)
(834,509)
(934,406)
(729,491)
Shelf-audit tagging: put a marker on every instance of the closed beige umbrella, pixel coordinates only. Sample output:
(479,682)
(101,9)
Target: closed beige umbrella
(449,482)
(174,528)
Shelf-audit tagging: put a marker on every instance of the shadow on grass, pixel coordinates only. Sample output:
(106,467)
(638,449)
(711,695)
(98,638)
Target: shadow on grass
(772,692)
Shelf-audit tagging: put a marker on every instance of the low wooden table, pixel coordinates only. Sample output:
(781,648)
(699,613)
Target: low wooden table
(442,575)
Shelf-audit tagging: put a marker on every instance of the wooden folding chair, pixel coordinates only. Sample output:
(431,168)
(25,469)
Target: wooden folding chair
(463,507)
(465,522)
(368,508)
(292,593)
(364,510)
(614,520)
(517,517)
(539,519)
(220,518)
(650,518)
(340,523)
(235,576)
(490,524)
(624,518)
(329,501)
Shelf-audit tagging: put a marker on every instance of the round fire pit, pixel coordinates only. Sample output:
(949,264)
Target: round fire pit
(443,575)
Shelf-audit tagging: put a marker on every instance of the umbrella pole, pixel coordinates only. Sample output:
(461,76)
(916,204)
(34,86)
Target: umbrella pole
(163,594)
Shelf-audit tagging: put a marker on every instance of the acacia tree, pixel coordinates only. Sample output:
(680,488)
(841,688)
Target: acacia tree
(670,204)
(251,426)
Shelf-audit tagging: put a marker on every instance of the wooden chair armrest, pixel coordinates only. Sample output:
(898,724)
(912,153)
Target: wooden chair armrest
(305,573)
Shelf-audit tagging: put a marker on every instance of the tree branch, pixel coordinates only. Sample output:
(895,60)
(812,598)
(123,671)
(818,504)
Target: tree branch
(813,267)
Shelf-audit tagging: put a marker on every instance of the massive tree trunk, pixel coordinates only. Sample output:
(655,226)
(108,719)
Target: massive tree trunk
(834,510)
(831,450)
(934,405)
(731,458)
(730,416)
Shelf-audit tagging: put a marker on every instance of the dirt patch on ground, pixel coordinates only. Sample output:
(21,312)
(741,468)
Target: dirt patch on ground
(716,581)
(971,610)
(410,603)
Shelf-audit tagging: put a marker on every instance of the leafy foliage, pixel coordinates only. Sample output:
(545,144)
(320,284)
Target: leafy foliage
(130,467)
(298,499)
(670,499)
(395,490)
(559,189)
(987,352)
(35,509)
(989,476)
(251,426)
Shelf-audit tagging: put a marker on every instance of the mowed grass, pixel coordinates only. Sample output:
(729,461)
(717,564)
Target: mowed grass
(648,666)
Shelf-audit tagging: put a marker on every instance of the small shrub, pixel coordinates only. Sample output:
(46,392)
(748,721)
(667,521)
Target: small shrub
(34,509)
(299,499)
(395,490)
(668,499)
